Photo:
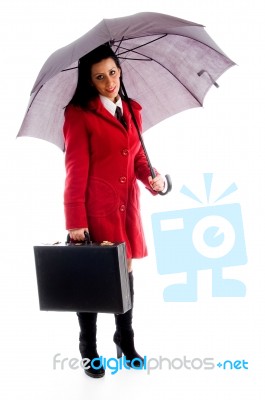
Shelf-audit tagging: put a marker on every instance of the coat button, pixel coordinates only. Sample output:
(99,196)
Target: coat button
(122,207)
(123,179)
(125,152)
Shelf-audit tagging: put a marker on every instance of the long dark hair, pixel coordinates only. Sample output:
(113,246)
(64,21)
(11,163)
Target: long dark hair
(84,90)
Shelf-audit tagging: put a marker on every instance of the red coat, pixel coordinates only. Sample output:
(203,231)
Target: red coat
(103,161)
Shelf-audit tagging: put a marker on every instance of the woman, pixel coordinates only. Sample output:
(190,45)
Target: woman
(103,160)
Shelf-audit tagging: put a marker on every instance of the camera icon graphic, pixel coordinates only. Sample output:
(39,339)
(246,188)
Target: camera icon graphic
(190,240)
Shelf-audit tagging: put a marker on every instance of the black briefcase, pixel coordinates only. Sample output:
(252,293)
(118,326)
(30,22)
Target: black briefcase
(87,277)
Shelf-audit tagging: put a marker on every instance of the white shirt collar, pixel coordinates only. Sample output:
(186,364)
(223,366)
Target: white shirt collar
(109,105)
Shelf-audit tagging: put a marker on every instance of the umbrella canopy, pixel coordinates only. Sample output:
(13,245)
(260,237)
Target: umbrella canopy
(168,66)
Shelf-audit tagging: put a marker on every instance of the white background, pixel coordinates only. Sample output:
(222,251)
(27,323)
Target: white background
(225,137)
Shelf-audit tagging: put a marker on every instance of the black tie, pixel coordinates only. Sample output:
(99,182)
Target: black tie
(120,117)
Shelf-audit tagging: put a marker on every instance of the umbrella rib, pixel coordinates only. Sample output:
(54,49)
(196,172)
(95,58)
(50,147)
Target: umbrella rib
(192,94)
(119,45)
(135,59)
(138,47)
(152,59)
(34,97)
(185,36)
(68,69)
(146,58)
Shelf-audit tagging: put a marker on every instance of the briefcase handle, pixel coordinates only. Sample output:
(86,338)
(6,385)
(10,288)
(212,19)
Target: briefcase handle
(86,241)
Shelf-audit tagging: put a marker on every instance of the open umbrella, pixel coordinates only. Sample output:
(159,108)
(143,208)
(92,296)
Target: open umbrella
(168,64)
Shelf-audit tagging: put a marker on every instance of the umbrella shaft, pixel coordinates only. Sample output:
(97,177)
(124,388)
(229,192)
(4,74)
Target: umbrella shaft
(153,174)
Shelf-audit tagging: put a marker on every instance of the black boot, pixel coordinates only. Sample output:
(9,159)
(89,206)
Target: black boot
(124,335)
(88,343)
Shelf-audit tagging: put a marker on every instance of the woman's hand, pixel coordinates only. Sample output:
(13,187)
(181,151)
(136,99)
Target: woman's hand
(157,184)
(78,234)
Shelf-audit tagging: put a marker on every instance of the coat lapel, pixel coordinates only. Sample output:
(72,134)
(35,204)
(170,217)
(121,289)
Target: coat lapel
(97,107)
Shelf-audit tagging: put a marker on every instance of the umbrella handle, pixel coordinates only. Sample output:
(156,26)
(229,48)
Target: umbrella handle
(168,179)
(169,185)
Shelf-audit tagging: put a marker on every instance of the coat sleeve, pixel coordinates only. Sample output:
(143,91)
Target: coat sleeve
(77,168)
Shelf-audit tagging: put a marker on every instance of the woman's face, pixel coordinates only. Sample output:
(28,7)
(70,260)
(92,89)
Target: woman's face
(105,77)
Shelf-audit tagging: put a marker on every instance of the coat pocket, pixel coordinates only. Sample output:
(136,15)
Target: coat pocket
(102,198)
